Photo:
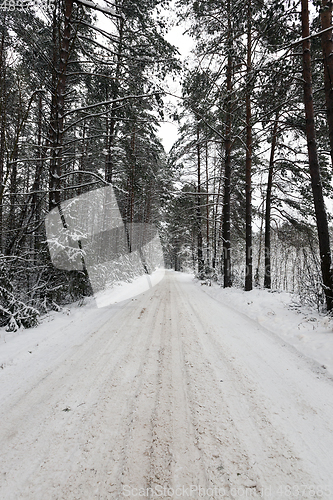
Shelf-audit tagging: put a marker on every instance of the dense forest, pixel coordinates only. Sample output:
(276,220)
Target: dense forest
(241,197)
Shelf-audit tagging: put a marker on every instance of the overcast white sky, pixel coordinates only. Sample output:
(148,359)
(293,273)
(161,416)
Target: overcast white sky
(168,130)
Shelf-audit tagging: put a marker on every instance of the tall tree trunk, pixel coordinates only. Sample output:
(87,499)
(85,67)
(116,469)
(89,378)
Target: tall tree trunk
(59,78)
(148,202)
(207,208)
(131,183)
(3,115)
(320,210)
(327,47)
(83,160)
(12,222)
(54,193)
(39,162)
(35,198)
(215,213)
(267,277)
(248,187)
(199,218)
(227,167)
(113,119)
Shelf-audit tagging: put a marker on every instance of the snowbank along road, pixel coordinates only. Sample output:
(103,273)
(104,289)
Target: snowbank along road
(171,395)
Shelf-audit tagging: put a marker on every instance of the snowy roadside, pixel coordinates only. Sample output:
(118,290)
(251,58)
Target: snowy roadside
(310,332)
(65,327)
(71,325)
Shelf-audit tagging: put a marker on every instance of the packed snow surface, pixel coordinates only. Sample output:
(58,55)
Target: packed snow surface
(185,391)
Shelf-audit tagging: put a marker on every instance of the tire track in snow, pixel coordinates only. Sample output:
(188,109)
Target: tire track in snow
(98,374)
(108,479)
(269,458)
(147,408)
(161,430)
(226,462)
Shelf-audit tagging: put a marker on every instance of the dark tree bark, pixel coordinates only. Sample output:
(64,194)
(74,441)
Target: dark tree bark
(320,210)
(327,47)
(131,183)
(248,186)
(112,118)
(54,193)
(11,220)
(267,277)
(207,207)
(199,215)
(227,168)
(216,218)
(2,128)
(59,78)
(35,198)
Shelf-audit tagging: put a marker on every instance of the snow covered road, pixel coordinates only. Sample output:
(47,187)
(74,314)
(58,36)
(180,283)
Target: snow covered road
(171,395)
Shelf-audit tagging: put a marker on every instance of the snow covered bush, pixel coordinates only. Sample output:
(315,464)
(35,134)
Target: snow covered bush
(13,312)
